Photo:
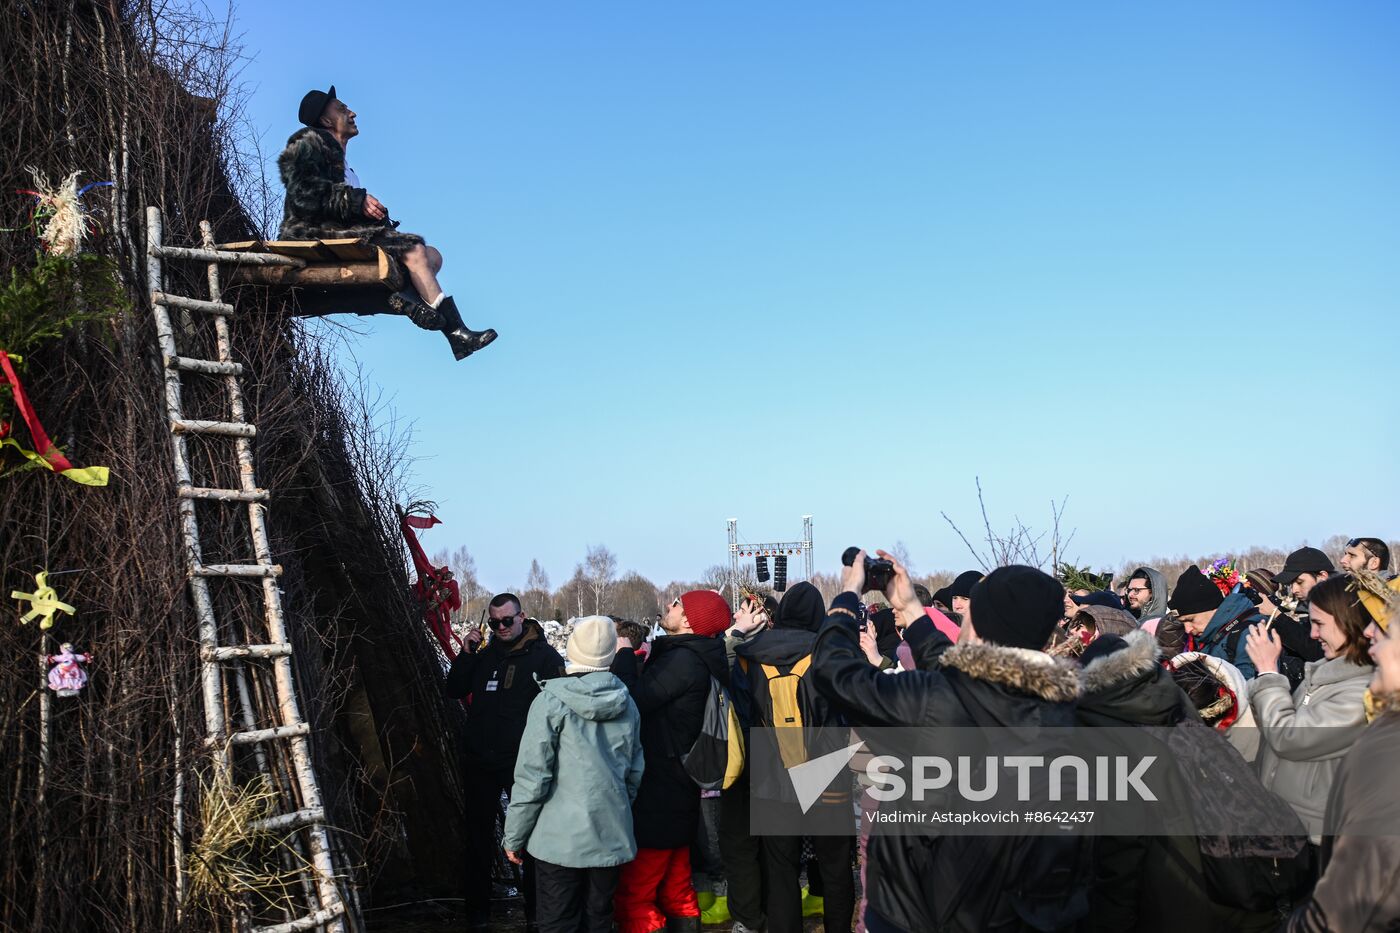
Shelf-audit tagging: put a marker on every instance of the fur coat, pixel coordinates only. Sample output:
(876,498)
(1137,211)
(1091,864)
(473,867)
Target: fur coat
(320,205)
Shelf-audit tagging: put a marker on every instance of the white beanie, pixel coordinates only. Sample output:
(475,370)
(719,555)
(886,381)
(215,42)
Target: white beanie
(592,644)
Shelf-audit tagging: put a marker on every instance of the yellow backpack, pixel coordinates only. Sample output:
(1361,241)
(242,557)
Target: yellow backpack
(787,712)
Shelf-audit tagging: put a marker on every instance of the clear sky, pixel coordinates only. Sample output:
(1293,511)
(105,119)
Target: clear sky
(767,259)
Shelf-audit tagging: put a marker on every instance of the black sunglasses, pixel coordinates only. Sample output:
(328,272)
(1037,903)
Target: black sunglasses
(507,622)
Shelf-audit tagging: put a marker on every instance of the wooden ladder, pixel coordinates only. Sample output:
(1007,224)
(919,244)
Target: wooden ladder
(304,813)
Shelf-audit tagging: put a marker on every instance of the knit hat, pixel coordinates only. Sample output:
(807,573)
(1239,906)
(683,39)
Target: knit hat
(963,584)
(1195,592)
(706,611)
(1099,598)
(1016,606)
(591,646)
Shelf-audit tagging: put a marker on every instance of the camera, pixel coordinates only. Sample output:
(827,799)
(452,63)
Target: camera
(878,573)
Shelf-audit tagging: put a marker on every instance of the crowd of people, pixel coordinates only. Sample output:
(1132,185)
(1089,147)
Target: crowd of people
(1294,673)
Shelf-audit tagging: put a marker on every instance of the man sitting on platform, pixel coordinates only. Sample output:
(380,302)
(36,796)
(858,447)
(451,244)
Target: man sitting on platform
(325,201)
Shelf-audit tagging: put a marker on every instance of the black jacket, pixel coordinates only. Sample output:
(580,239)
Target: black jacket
(496,715)
(780,649)
(945,881)
(670,691)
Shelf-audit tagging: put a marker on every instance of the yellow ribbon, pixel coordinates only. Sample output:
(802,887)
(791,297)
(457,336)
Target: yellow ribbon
(88,476)
(43,602)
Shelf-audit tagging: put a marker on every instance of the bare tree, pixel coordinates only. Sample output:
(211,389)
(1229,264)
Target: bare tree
(537,579)
(1020,544)
(635,597)
(600,569)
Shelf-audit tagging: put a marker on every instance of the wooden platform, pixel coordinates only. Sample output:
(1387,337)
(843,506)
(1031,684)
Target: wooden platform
(340,276)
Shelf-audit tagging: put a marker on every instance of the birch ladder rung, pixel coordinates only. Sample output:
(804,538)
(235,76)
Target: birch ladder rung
(236,570)
(246,652)
(223,255)
(293,820)
(254,736)
(207,367)
(191,304)
(226,428)
(215,494)
(309,922)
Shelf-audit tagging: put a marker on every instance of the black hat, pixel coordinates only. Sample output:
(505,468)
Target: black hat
(1303,560)
(1195,592)
(1099,598)
(944,595)
(313,105)
(1017,607)
(962,586)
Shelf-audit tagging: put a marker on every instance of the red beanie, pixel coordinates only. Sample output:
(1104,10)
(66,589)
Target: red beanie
(706,611)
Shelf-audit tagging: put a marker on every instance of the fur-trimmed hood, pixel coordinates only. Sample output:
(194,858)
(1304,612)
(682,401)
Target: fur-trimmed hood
(1023,670)
(1129,687)
(1141,655)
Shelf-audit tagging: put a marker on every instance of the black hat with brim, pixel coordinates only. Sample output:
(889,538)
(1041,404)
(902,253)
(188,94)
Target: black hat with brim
(313,105)
(1303,560)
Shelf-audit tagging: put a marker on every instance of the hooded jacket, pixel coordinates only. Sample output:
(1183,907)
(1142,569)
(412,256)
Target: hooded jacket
(1156,605)
(579,769)
(1224,634)
(951,882)
(1359,890)
(502,680)
(670,691)
(1305,735)
(778,650)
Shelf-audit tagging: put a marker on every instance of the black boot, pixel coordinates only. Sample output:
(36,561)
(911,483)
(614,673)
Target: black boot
(464,340)
(416,310)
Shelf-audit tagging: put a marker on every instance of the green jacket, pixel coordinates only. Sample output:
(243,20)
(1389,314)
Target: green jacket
(579,769)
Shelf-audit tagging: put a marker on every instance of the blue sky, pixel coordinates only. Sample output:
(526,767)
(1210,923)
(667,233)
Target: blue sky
(763,260)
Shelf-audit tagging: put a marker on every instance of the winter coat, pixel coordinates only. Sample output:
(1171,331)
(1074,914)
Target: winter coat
(1150,882)
(321,205)
(948,882)
(1359,890)
(1304,736)
(670,691)
(1224,634)
(502,681)
(579,769)
(780,649)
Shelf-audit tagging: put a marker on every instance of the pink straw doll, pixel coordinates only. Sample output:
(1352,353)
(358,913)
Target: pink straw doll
(67,676)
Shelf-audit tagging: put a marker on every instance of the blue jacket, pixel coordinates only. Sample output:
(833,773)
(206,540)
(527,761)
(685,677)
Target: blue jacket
(1224,635)
(579,768)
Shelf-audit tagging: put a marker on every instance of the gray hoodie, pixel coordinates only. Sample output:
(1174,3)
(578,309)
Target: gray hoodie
(1156,606)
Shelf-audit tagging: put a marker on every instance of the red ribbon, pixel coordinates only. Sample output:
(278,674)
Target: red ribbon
(42,445)
(435,588)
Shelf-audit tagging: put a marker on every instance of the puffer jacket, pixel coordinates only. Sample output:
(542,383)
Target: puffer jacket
(1359,891)
(579,769)
(1304,735)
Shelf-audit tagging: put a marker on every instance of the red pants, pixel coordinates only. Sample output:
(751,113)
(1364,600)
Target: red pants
(653,886)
